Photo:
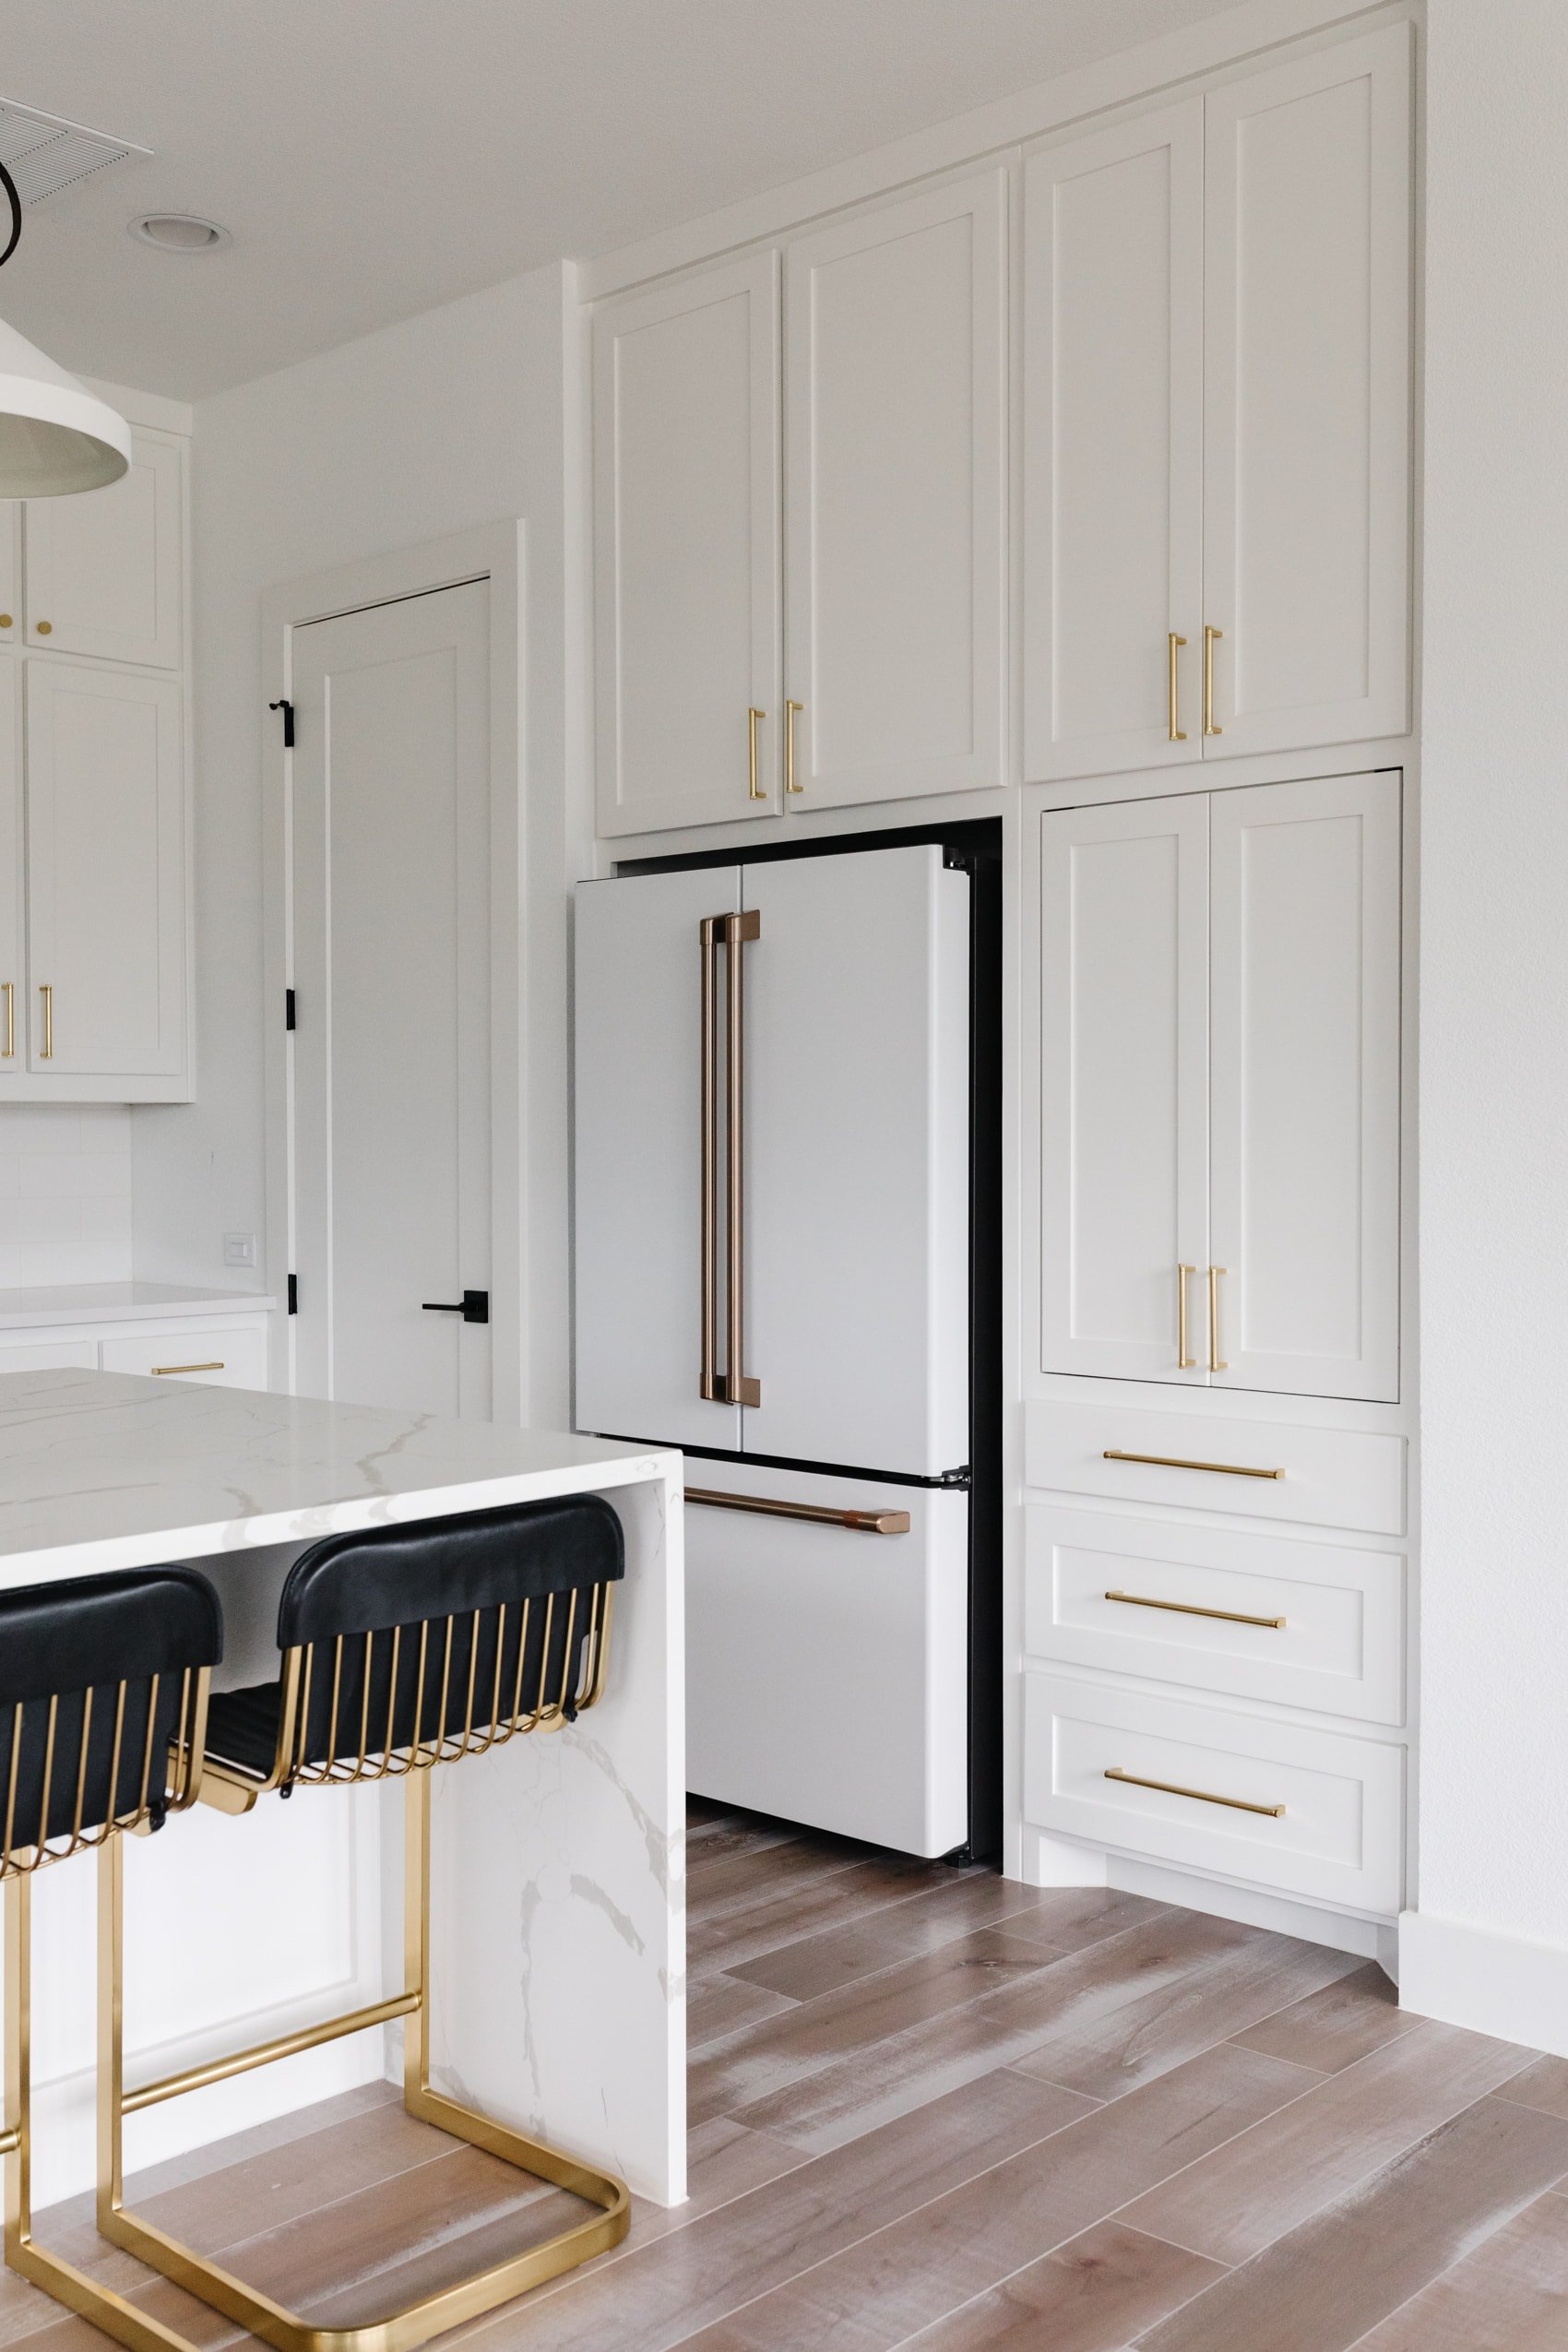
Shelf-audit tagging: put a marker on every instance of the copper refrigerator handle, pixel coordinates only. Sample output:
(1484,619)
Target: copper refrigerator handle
(739,1388)
(865,1522)
(709,1386)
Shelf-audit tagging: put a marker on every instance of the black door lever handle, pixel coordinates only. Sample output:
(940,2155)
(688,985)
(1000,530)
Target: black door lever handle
(473,1306)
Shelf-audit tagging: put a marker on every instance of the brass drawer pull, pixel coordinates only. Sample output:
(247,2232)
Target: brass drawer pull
(1183,1362)
(790,708)
(1203,1796)
(754,720)
(1175,1462)
(1190,1608)
(1211,639)
(166,1372)
(1173,717)
(1215,1360)
(863,1523)
(47,993)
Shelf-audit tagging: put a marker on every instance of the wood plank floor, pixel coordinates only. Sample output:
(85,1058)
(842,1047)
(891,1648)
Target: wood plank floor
(936,2110)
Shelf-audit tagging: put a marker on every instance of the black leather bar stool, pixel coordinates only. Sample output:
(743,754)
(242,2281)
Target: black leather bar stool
(404,1648)
(103,1699)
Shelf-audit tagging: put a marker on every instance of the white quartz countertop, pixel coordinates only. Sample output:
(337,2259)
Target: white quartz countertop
(102,1470)
(26,1309)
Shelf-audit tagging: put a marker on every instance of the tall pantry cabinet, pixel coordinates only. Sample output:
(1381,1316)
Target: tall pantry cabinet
(94,817)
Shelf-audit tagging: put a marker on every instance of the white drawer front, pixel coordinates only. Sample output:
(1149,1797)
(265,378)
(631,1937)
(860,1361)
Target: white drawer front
(223,1357)
(1338,1837)
(1331,1478)
(1259,1617)
(48,1355)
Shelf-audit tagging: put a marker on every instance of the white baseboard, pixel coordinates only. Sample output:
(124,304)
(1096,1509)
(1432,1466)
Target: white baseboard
(1252,1907)
(1058,1861)
(1494,1984)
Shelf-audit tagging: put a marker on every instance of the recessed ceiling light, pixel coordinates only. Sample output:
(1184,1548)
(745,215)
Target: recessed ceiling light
(179,231)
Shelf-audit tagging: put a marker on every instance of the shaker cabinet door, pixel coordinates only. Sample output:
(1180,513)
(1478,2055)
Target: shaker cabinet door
(1305,1086)
(685,495)
(1123,1098)
(1307,397)
(103,570)
(13,936)
(1114,446)
(895,344)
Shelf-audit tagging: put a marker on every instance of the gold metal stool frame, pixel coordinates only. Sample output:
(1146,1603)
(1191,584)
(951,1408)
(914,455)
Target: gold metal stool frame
(232,1791)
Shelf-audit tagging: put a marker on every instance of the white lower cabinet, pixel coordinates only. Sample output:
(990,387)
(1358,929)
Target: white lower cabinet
(1282,1805)
(227,1351)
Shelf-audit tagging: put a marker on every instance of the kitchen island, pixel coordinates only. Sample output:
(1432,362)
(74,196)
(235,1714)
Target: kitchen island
(559,1859)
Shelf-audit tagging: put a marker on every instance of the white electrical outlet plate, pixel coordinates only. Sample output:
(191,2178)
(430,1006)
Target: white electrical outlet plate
(239,1249)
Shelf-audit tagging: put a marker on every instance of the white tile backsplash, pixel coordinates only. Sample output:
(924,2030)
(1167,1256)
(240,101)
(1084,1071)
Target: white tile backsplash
(64,1193)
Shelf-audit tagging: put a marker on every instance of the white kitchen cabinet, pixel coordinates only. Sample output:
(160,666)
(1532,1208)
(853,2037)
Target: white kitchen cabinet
(105,879)
(1307,279)
(686,582)
(1217,421)
(1113,446)
(13,935)
(1124,1103)
(104,570)
(1219,1088)
(10,571)
(895,466)
(154,1329)
(1304,1087)
(225,1355)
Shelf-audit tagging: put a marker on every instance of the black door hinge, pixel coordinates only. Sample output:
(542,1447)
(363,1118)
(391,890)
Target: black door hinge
(293,1294)
(288,1008)
(287,708)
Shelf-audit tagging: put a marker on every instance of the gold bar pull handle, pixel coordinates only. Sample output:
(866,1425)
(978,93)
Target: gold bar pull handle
(790,708)
(1215,1360)
(739,1388)
(754,720)
(1190,1608)
(10,1049)
(47,993)
(1211,639)
(709,1386)
(1173,720)
(1178,1462)
(172,1371)
(1203,1796)
(1183,1362)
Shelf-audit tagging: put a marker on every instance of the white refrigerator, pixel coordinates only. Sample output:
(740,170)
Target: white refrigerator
(772,1271)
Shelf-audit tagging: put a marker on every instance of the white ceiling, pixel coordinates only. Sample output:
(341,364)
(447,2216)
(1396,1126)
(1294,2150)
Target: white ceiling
(373,158)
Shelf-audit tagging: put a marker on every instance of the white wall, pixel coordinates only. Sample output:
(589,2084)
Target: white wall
(1489,1944)
(454,418)
(64,1193)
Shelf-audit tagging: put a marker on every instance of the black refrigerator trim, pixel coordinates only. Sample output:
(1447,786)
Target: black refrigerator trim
(974,845)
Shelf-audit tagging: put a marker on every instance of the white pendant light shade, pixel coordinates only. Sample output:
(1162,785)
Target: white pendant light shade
(56,436)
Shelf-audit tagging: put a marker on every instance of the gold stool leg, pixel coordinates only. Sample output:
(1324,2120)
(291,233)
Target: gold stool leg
(402,2330)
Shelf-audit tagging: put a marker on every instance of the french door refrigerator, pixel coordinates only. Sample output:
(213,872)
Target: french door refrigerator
(773,1251)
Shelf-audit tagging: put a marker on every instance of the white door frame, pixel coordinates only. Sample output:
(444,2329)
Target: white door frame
(493,551)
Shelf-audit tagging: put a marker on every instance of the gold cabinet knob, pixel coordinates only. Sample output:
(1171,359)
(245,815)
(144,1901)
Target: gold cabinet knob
(7,621)
(45,628)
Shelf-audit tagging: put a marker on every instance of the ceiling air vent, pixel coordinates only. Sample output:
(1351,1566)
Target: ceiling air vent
(43,154)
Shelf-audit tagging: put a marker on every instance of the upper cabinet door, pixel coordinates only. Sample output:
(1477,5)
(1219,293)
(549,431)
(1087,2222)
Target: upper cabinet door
(894,464)
(10,571)
(106,874)
(1113,448)
(103,569)
(685,398)
(1307,463)
(13,971)
(1305,1086)
(1123,1124)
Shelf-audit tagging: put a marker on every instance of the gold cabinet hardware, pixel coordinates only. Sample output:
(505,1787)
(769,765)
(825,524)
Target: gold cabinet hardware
(7,621)
(1211,639)
(865,1522)
(1215,1360)
(790,710)
(708,1385)
(1203,1796)
(740,1387)
(10,1022)
(1183,1362)
(1176,1462)
(754,720)
(1190,1608)
(167,1371)
(47,993)
(45,628)
(1173,720)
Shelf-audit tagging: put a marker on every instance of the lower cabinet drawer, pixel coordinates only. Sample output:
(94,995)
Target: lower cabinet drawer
(1301,1811)
(222,1357)
(1256,1617)
(49,1354)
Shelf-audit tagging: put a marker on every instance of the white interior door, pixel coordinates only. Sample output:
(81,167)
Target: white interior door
(13,971)
(391,966)
(1123,1121)
(856,1160)
(638,1084)
(895,456)
(1114,446)
(685,397)
(103,573)
(1307,377)
(106,873)
(1306,1086)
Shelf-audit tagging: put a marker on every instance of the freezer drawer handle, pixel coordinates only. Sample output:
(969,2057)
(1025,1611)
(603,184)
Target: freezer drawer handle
(1176,1462)
(735,1385)
(862,1523)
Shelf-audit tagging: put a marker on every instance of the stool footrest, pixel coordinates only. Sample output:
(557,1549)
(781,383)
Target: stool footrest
(219,2070)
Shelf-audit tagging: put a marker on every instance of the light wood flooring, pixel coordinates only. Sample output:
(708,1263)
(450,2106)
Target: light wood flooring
(935,2110)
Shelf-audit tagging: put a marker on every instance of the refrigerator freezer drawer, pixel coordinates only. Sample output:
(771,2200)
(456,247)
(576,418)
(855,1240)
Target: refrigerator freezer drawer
(826,1670)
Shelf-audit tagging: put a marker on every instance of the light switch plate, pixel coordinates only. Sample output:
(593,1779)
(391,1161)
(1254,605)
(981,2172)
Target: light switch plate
(239,1249)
